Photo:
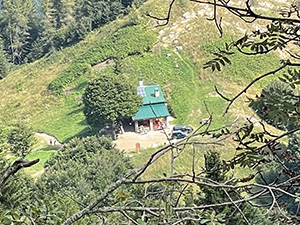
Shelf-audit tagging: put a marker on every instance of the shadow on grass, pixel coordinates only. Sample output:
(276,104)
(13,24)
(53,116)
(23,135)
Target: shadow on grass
(80,87)
(76,111)
(50,148)
(83,133)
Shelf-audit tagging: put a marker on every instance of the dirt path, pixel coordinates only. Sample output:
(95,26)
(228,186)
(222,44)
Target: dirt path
(49,139)
(128,140)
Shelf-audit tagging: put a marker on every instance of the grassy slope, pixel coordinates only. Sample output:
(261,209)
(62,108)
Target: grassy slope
(25,97)
(183,164)
(43,154)
(24,94)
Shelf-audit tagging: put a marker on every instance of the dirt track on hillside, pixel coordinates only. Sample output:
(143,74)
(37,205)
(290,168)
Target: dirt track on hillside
(48,138)
(128,140)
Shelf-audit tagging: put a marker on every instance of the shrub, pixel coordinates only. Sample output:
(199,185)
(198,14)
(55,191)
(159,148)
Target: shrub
(21,139)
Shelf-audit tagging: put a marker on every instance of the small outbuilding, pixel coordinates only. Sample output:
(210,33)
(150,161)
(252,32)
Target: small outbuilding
(153,114)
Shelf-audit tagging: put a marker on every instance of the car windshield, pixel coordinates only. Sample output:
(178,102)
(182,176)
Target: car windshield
(178,127)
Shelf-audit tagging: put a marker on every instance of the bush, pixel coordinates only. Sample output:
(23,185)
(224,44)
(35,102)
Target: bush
(21,139)
(84,168)
(277,105)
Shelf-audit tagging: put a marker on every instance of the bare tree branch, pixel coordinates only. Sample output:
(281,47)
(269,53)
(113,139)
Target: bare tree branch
(179,178)
(128,217)
(238,208)
(176,209)
(167,18)
(246,13)
(14,168)
(244,90)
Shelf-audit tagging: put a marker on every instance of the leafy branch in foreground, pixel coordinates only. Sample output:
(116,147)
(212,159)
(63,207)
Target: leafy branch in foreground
(277,105)
(277,35)
(255,145)
(255,148)
(244,90)
(221,59)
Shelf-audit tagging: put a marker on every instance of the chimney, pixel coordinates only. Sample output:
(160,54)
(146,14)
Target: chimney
(156,92)
(141,82)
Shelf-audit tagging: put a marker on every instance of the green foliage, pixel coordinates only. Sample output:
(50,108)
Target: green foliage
(291,77)
(235,69)
(16,191)
(41,212)
(44,43)
(42,154)
(74,71)
(261,42)
(4,145)
(220,60)
(257,44)
(108,99)
(294,148)
(291,159)
(165,195)
(227,214)
(21,139)
(18,24)
(273,173)
(29,35)
(127,41)
(252,149)
(84,168)
(277,105)
(215,172)
(91,14)
(213,218)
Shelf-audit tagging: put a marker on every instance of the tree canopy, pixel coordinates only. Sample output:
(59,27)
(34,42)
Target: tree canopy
(86,166)
(31,30)
(21,138)
(109,99)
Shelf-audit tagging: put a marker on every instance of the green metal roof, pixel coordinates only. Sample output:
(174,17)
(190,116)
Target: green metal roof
(151,111)
(147,92)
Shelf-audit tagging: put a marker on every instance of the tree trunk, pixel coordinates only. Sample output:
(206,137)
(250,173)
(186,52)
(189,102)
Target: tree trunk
(121,127)
(113,132)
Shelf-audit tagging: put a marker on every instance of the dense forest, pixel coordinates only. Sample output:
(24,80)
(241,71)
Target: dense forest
(70,68)
(31,29)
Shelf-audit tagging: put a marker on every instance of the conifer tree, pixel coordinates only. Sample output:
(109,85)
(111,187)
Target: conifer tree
(63,12)
(18,20)
(215,171)
(45,41)
(91,14)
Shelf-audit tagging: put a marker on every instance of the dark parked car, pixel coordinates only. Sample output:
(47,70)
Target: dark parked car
(178,134)
(183,128)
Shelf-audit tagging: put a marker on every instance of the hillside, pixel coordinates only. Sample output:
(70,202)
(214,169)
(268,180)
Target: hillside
(241,167)
(47,93)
